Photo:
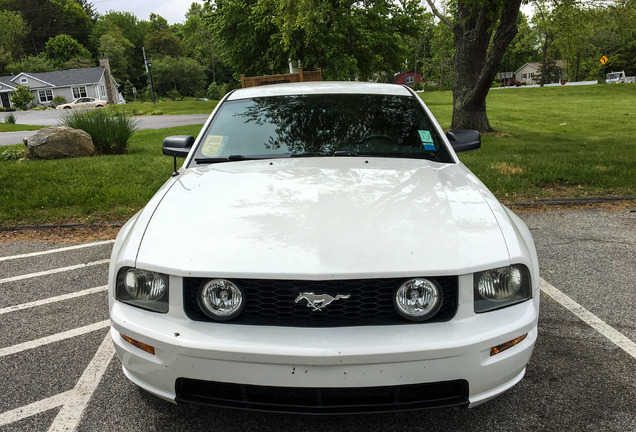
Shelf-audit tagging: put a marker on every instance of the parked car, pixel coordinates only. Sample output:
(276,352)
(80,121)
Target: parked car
(510,83)
(84,103)
(322,249)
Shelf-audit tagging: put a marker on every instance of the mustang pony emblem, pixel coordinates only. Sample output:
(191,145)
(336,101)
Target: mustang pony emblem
(319,301)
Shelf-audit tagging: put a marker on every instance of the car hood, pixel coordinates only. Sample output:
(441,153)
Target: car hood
(323,218)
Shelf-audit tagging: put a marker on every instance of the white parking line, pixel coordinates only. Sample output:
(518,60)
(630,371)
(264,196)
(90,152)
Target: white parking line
(63,249)
(53,299)
(53,271)
(76,400)
(18,414)
(14,349)
(616,337)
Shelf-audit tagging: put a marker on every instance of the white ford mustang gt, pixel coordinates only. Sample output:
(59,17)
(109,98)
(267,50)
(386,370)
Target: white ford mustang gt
(323,250)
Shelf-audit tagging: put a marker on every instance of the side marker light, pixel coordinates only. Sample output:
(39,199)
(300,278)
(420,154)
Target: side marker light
(140,345)
(504,346)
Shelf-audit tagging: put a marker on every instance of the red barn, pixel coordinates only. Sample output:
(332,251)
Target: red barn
(408,78)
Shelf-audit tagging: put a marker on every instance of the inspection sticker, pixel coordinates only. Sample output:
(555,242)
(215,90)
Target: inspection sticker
(212,145)
(427,140)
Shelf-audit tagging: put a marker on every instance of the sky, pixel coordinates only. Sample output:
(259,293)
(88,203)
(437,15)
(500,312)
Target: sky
(172,10)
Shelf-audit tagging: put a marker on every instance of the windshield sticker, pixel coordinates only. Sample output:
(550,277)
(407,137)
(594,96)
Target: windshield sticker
(212,145)
(427,140)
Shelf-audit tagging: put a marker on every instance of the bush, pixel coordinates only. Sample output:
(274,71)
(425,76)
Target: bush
(110,131)
(157,112)
(174,95)
(418,86)
(13,155)
(214,92)
(38,108)
(21,97)
(9,119)
(58,100)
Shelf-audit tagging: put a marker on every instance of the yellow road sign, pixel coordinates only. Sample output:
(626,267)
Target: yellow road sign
(603,59)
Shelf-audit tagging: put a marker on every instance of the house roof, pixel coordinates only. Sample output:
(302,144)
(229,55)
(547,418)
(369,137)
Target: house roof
(6,83)
(60,78)
(537,65)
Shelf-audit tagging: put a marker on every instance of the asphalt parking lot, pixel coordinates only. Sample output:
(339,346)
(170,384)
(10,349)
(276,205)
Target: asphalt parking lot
(59,372)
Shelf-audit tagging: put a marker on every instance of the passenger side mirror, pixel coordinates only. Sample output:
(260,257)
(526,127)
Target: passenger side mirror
(464,139)
(177,146)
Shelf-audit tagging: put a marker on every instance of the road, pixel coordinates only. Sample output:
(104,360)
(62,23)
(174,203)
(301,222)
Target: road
(59,372)
(52,118)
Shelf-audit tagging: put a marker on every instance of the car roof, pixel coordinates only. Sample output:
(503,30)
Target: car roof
(320,87)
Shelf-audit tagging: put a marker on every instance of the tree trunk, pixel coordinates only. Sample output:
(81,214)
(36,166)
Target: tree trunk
(478,54)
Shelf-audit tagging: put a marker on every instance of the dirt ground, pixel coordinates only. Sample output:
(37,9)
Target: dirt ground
(105,232)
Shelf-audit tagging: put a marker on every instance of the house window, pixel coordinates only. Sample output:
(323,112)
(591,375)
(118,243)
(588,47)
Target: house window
(531,74)
(524,76)
(102,92)
(410,79)
(45,95)
(79,92)
(24,80)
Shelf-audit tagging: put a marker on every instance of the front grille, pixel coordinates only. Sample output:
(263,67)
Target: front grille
(272,302)
(317,400)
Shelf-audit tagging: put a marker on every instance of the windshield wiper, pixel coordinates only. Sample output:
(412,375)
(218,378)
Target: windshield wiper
(234,158)
(337,153)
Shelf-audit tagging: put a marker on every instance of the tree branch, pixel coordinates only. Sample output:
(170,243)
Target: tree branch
(438,14)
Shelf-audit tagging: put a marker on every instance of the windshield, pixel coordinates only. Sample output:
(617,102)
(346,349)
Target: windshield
(613,76)
(322,125)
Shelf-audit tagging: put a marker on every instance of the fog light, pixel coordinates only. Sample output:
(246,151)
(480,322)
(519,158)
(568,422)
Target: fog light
(418,299)
(221,299)
(504,346)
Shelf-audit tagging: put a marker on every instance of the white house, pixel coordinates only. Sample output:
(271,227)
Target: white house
(527,72)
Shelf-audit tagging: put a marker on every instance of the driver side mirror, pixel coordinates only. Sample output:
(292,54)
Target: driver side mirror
(464,139)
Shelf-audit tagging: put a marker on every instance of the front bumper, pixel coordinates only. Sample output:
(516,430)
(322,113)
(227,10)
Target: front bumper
(209,355)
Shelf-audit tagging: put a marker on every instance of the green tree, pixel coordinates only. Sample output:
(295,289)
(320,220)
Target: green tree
(522,48)
(163,42)
(118,49)
(21,97)
(482,31)
(49,18)
(129,93)
(185,75)
(198,39)
(13,33)
(440,72)
(32,64)
(63,48)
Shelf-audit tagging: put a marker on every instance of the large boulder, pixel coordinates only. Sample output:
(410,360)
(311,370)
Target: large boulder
(59,142)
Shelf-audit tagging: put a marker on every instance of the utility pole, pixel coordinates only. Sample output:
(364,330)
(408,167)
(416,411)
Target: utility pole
(148,66)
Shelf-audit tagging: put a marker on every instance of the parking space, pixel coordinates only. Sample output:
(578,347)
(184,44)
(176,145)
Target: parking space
(59,371)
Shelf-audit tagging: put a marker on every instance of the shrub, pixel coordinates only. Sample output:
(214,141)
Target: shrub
(10,119)
(174,95)
(214,91)
(418,86)
(58,100)
(13,154)
(21,97)
(110,131)
(38,108)
(157,112)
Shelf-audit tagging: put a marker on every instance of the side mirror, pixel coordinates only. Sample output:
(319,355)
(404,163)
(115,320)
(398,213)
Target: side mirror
(464,139)
(177,145)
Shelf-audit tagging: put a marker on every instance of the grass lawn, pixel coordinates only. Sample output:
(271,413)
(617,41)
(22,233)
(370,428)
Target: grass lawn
(554,141)
(7,127)
(551,142)
(168,107)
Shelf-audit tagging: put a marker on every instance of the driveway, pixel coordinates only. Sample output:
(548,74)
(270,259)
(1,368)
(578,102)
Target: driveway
(52,118)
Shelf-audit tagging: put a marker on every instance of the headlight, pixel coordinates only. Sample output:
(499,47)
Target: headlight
(143,288)
(418,299)
(221,299)
(501,287)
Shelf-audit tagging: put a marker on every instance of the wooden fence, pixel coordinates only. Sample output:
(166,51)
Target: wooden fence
(301,76)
